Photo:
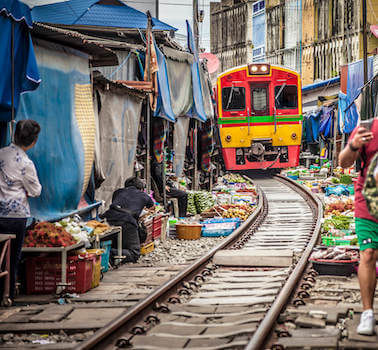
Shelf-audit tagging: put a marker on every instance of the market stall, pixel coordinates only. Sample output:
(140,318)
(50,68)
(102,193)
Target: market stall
(53,250)
(338,253)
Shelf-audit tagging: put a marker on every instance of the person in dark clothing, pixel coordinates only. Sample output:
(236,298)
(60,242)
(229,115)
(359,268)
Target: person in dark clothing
(171,190)
(127,204)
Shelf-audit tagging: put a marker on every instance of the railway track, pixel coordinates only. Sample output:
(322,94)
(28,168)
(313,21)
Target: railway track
(218,303)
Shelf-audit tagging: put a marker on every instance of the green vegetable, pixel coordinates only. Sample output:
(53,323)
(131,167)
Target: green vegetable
(346,179)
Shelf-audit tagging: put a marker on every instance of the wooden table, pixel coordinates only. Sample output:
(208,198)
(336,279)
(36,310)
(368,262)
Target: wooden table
(5,240)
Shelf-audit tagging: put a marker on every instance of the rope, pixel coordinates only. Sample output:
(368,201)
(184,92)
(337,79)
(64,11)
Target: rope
(120,66)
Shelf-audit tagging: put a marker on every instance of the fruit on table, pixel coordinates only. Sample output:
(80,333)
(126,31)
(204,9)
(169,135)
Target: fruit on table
(47,234)
(99,227)
(339,206)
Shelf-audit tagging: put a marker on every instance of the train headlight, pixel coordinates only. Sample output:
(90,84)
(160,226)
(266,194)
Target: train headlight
(228,138)
(293,135)
(258,68)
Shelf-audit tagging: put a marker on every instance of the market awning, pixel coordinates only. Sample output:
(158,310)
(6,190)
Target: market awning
(17,56)
(198,110)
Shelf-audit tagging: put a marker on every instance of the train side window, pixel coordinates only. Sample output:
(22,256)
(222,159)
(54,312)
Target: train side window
(286,96)
(259,97)
(233,98)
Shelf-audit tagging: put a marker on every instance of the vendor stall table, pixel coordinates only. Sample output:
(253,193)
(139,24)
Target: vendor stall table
(5,240)
(63,251)
(116,230)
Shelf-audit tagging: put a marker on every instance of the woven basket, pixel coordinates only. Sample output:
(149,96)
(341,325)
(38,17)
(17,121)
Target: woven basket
(185,231)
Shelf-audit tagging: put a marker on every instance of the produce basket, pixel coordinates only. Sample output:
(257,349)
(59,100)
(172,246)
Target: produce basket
(334,267)
(188,231)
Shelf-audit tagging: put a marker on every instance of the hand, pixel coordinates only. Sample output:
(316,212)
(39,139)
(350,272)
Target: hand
(362,137)
(167,188)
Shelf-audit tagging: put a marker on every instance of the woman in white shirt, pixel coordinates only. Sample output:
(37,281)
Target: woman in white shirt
(18,180)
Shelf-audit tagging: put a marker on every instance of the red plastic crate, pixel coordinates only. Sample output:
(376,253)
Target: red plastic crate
(44,273)
(156,227)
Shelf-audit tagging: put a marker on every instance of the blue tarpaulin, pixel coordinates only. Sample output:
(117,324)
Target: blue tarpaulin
(63,154)
(198,110)
(164,106)
(17,15)
(326,123)
(355,82)
(312,122)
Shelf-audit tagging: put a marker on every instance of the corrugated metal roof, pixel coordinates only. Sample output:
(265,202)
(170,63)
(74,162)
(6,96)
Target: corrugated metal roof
(100,55)
(321,84)
(90,13)
(120,17)
(61,13)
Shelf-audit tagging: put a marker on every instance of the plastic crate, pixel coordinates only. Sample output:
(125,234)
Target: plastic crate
(156,227)
(106,246)
(147,248)
(219,227)
(95,255)
(332,241)
(44,273)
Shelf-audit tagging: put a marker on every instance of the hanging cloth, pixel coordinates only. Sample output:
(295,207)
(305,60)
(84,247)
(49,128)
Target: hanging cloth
(206,146)
(158,136)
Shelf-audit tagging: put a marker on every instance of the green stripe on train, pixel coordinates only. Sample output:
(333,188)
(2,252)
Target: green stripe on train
(261,119)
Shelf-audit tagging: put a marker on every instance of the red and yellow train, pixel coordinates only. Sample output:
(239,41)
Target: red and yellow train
(259,110)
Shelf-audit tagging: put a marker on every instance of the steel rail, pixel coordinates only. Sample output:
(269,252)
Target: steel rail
(158,294)
(259,337)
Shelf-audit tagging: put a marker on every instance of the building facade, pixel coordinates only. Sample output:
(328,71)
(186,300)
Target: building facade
(312,37)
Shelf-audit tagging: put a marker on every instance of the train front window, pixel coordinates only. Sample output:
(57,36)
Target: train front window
(233,98)
(286,96)
(259,100)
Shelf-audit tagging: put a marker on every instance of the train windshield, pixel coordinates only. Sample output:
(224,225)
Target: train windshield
(286,96)
(259,100)
(233,98)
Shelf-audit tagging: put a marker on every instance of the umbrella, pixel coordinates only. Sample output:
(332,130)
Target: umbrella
(19,66)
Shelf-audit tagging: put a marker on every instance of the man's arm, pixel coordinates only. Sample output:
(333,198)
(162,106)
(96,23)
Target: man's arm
(351,152)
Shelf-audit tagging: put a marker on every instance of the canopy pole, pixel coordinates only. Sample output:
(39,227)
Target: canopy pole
(364,37)
(147,174)
(164,164)
(195,144)
(196,39)
(13,84)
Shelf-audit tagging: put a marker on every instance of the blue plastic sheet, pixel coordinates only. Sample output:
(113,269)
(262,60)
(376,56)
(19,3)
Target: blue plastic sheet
(326,124)
(342,105)
(25,66)
(338,190)
(311,123)
(198,110)
(59,152)
(163,106)
(355,82)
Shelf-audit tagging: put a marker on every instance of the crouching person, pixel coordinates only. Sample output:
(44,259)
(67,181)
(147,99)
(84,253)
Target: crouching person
(127,204)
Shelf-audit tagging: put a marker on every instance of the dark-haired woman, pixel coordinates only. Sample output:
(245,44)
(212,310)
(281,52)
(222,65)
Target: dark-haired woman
(18,180)
(127,204)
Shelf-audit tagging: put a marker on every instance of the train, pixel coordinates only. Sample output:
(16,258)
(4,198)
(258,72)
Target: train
(259,117)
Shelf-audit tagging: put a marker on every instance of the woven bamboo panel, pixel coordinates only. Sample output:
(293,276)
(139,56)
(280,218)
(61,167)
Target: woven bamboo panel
(86,123)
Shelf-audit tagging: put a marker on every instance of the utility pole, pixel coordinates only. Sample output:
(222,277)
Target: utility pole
(195,141)
(364,36)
